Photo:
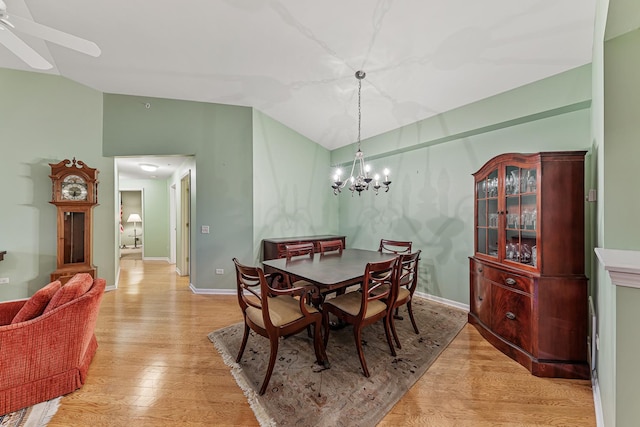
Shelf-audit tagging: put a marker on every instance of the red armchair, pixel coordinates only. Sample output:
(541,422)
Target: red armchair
(49,354)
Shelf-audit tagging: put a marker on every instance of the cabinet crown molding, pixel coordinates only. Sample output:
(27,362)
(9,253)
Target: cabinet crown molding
(623,266)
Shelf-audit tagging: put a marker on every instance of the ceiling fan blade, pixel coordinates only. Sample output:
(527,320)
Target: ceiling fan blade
(55,36)
(22,50)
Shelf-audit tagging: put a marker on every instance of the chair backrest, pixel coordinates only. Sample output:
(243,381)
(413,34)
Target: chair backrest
(252,286)
(299,249)
(378,283)
(330,246)
(394,246)
(408,270)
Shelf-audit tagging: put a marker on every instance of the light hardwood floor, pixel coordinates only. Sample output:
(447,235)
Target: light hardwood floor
(156,367)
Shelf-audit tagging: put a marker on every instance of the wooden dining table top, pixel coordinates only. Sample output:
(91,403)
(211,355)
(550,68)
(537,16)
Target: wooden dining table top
(329,271)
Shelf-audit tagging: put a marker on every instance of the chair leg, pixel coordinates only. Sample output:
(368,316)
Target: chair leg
(392,324)
(387,332)
(272,362)
(357,335)
(413,321)
(244,342)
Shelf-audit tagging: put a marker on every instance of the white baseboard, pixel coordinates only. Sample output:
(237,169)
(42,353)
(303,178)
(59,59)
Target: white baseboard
(159,258)
(461,306)
(444,301)
(597,400)
(200,291)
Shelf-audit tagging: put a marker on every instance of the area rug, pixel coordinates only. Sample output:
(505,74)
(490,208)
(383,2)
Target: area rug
(302,393)
(37,415)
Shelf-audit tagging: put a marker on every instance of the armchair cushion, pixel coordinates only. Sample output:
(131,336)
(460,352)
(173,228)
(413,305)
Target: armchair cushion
(78,285)
(37,303)
(282,310)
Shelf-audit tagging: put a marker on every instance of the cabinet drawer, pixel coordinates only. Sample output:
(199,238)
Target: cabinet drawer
(511,317)
(508,279)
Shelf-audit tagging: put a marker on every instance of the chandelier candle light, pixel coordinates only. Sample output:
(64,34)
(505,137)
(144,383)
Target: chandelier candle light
(360,182)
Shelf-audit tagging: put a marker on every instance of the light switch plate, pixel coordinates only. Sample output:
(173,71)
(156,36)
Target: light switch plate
(204,229)
(4,280)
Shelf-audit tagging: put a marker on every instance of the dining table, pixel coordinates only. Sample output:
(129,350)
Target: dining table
(331,271)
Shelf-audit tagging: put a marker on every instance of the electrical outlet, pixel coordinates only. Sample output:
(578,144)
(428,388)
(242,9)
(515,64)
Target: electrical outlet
(4,280)
(219,270)
(204,229)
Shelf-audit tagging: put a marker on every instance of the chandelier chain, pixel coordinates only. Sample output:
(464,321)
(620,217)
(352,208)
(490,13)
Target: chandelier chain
(359,109)
(360,182)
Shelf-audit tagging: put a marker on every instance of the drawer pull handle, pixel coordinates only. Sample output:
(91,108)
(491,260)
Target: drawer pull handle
(509,281)
(480,270)
(480,298)
(510,315)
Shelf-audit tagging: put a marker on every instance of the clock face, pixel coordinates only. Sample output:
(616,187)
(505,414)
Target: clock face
(74,188)
(74,191)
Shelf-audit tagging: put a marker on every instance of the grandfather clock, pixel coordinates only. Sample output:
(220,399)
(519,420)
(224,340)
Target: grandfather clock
(75,193)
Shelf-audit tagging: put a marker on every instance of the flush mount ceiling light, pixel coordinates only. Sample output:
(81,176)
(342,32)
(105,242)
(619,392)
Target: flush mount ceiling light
(360,182)
(148,167)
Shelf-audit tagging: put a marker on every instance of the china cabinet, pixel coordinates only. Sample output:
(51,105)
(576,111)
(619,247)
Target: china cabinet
(528,290)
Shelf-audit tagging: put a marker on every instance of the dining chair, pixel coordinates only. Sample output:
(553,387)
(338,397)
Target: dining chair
(275,313)
(407,280)
(394,246)
(365,306)
(327,246)
(299,249)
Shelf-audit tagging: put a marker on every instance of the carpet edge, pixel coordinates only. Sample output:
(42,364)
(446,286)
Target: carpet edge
(236,370)
(41,413)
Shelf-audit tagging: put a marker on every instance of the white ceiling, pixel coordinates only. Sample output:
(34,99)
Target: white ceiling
(295,60)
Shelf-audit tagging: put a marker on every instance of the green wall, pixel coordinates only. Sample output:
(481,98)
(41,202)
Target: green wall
(431,197)
(45,119)
(220,139)
(291,185)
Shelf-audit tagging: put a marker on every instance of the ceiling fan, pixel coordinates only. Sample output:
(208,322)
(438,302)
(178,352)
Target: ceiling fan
(23,51)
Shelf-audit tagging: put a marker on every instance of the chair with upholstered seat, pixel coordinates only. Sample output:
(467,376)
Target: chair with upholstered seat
(394,246)
(275,313)
(298,251)
(366,305)
(329,246)
(407,283)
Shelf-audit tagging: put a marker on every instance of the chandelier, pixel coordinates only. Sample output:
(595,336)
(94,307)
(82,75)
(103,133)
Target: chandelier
(361,181)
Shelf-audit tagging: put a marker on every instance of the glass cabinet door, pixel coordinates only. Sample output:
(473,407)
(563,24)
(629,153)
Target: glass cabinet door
(521,215)
(487,209)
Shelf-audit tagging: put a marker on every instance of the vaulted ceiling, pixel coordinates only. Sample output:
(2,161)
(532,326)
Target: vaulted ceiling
(295,60)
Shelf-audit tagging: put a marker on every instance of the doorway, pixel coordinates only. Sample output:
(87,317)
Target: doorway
(167,207)
(131,231)
(184,233)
